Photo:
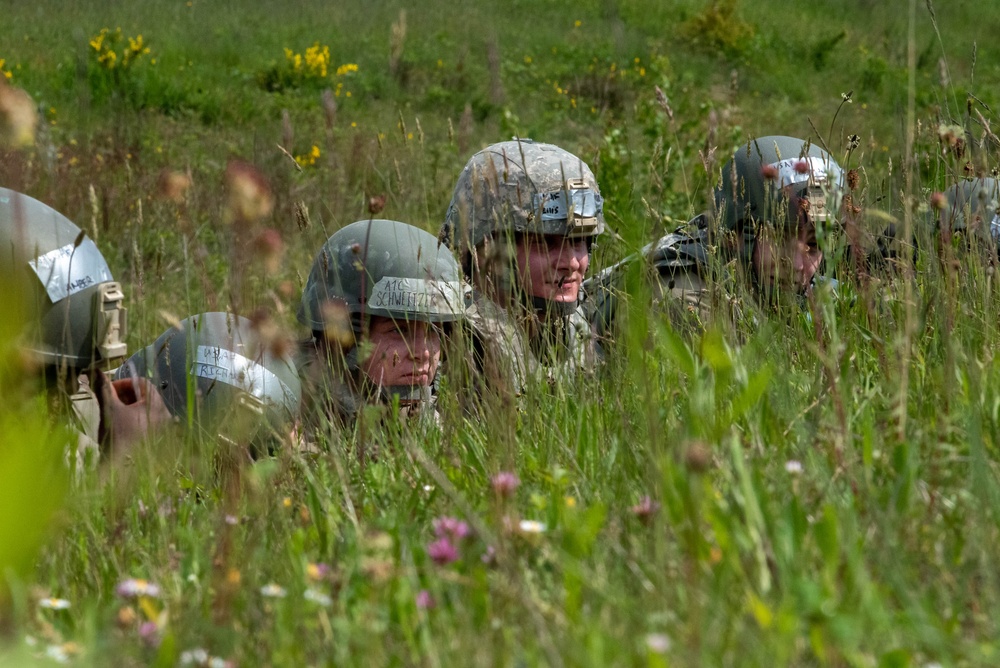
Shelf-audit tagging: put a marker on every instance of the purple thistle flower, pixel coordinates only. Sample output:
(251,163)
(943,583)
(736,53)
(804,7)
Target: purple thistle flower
(442,551)
(489,556)
(451,528)
(505,484)
(424,600)
(149,633)
(645,509)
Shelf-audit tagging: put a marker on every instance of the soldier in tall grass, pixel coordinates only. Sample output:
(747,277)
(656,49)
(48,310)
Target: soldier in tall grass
(778,195)
(218,373)
(75,325)
(522,220)
(378,299)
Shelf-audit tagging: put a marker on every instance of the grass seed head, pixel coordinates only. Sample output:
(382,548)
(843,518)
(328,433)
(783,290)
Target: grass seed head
(18,117)
(250,197)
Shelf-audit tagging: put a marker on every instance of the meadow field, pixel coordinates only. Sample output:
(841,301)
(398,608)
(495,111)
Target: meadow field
(820,488)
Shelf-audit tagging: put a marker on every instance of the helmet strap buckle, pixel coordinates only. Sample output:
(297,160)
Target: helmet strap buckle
(111,321)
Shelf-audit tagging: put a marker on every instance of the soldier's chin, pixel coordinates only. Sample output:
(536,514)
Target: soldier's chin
(786,287)
(565,294)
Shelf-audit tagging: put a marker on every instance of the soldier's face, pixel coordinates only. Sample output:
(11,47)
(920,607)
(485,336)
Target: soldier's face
(790,261)
(404,353)
(551,267)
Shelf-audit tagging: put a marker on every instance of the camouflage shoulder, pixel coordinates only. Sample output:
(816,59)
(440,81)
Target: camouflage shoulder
(685,297)
(85,452)
(504,352)
(326,395)
(583,339)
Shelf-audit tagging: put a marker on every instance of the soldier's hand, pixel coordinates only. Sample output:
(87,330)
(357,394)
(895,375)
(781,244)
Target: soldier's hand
(129,409)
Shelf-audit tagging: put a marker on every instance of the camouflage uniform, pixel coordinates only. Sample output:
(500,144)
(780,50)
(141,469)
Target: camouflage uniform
(521,187)
(329,389)
(680,286)
(85,420)
(507,355)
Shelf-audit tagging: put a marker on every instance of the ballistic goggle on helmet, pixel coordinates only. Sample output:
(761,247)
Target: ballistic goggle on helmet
(216,371)
(768,175)
(521,186)
(73,304)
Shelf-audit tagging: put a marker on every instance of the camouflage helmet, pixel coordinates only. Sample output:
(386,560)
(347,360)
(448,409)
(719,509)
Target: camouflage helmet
(765,174)
(384,268)
(522,186)
(217,371)
(72,300)
(973,207)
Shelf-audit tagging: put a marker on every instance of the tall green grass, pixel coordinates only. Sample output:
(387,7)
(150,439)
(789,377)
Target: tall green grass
(806,506)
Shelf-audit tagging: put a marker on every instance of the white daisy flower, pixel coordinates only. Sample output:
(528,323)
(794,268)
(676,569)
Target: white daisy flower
(531,526)
(196,657)
(317,597)
(57,654)
(273,590)
(136,588)
(54,604)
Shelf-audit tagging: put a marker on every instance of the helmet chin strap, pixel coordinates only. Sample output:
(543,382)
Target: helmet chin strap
(549,307)
(406,393)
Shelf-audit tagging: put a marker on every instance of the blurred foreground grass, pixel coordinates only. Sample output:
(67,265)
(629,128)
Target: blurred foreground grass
(793,500)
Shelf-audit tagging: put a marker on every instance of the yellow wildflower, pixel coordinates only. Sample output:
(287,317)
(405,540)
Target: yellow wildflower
(309,158)
(106,48)
(317,60)
(97,41)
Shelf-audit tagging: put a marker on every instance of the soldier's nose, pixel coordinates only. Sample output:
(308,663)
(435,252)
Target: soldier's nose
(801,251)
(567,257)
(421,347)
(574,261)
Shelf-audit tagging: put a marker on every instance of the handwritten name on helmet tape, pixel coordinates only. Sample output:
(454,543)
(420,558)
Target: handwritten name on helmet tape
(819,170)
(231,368)
(586,204)
(417,296)
(68,270)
